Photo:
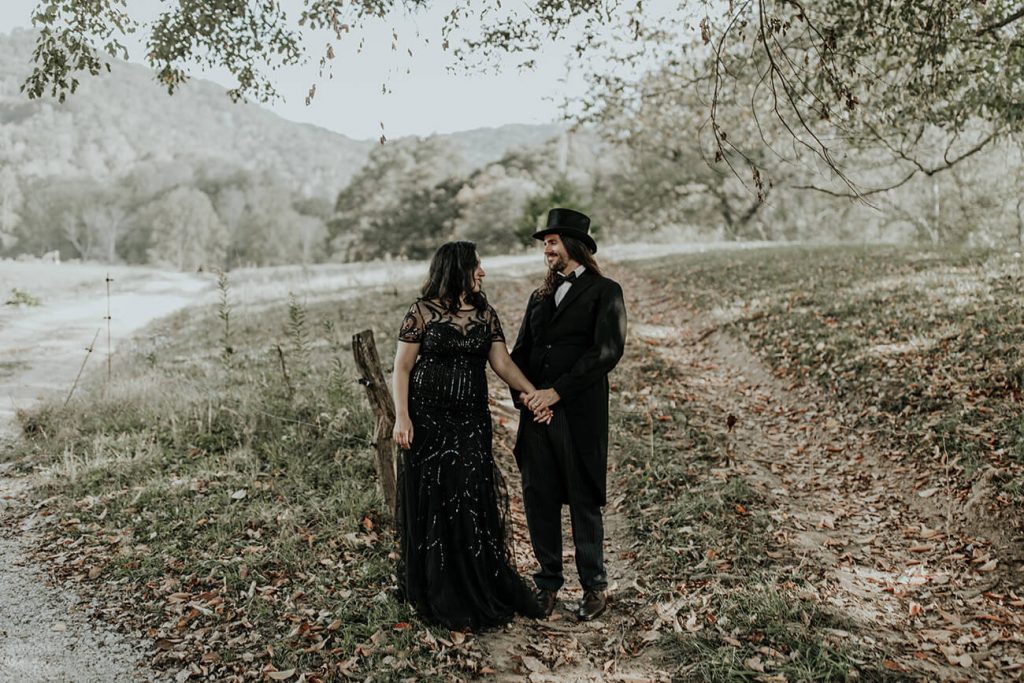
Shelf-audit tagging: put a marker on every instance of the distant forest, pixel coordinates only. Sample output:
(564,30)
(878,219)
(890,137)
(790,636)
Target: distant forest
(122,173)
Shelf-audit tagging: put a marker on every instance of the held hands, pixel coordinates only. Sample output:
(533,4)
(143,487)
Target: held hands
(542,415)
(539,402)
(402,433)
(541,398)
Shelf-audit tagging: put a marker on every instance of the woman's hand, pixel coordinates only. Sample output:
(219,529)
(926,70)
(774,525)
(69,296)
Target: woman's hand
(541,415)
(402,433)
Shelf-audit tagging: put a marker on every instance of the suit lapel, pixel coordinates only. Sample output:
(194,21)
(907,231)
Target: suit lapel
(581,285)
(543,310)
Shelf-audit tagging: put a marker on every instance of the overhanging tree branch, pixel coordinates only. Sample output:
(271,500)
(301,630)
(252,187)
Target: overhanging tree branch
(919,169)
(1006,21)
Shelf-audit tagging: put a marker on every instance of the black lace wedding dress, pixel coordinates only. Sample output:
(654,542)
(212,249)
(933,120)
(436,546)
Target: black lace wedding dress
(456,565)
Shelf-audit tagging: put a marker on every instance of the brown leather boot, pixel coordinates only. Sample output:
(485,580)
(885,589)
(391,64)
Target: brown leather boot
(592,605)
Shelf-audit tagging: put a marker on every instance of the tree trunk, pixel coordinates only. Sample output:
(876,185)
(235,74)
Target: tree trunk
(364,349)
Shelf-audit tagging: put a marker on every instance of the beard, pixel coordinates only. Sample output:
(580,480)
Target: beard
(558,263)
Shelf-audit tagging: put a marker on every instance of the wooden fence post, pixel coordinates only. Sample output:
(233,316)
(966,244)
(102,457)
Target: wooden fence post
(364,349)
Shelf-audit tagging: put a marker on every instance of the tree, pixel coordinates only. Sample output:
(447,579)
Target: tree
(187,233)
(311,234)
(826,68)
(422,219)
(664,179)
(11,200)
(491,207)
(377,209)
(562,193)
(77,216)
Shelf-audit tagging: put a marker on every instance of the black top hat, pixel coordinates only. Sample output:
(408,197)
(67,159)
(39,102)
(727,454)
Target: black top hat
(570,224)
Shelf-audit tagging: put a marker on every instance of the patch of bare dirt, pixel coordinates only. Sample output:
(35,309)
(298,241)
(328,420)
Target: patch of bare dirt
(562,648)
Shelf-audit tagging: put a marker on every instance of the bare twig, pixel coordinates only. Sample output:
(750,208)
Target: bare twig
(1019,14)
(919,168)
(284,371)
(88,352)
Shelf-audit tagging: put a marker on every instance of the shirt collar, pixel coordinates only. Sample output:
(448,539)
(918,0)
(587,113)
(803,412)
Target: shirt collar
(579,270)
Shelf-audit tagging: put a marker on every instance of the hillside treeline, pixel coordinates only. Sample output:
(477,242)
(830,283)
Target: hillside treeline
(409,197)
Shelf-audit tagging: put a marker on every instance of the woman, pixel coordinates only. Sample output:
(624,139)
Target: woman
(456,564)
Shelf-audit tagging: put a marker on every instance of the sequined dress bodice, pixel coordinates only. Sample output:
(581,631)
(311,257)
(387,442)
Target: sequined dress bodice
(450,370)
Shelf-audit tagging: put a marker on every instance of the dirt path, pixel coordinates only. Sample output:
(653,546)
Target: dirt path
(47,634)
(874,539)
(561,648)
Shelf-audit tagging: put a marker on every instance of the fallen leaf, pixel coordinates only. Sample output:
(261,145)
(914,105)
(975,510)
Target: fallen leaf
(281,675)
(533,664)
(240,494)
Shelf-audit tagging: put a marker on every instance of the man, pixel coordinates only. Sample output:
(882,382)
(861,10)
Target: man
(571,337)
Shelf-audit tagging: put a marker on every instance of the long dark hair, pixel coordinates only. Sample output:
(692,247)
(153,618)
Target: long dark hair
(578,252)
(451,277)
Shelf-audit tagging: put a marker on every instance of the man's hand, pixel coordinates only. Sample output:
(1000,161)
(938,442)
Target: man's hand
(541,398)
(542,415)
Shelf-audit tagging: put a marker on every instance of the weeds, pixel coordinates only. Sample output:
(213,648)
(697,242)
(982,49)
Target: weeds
(768,629)
(224,308)
(20,297)
(297,331)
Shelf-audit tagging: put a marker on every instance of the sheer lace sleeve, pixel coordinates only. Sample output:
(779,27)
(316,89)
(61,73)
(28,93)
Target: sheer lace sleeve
(412,325)
(497,334)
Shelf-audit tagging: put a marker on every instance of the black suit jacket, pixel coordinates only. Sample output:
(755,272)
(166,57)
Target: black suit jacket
(572,348)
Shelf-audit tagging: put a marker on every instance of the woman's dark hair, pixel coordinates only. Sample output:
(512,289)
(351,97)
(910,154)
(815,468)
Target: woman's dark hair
(578,252)
(451,277)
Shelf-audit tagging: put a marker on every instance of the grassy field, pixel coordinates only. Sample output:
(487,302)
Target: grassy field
(703,544)
(219,495)
(924,348)
(225,477)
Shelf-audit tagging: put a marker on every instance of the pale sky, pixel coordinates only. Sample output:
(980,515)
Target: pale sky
(424,96)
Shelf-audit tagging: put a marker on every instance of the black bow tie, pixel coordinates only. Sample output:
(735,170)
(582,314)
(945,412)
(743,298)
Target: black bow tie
(559,278)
